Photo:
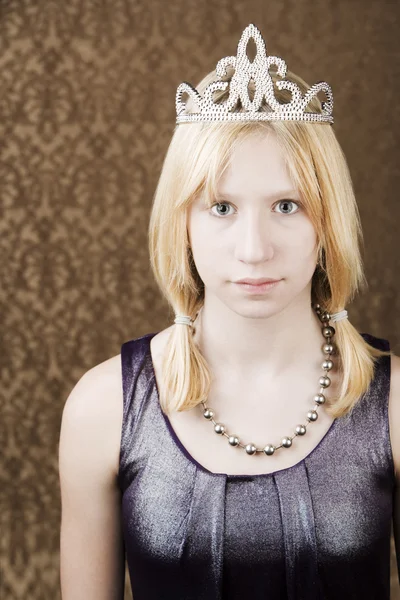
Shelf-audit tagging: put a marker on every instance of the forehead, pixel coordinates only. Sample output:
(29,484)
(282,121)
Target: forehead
(256,163)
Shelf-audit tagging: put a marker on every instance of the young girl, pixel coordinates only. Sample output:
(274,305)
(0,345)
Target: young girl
(252,448)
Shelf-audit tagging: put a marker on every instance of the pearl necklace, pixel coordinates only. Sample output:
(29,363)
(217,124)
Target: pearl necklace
(312,415)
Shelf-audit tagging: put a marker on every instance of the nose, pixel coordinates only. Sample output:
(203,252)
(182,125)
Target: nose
(254,242)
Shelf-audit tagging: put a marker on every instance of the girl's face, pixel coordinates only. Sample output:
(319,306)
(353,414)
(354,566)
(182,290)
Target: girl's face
(256,228)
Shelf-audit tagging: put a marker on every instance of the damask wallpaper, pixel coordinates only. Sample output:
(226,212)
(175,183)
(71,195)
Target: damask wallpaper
(87,93)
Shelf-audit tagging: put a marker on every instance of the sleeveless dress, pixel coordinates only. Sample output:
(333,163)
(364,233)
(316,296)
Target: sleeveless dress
(317,530)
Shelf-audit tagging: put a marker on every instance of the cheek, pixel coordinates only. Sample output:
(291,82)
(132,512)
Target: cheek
(197,234)
(202,235)
(205,254)
(302,241)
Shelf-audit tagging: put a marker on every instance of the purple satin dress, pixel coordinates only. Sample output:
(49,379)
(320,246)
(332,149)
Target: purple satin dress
(317,530)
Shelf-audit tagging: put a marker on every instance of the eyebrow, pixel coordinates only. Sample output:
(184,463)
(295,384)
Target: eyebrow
(280,193)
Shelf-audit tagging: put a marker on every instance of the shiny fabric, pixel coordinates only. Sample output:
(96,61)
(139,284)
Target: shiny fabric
(317,530)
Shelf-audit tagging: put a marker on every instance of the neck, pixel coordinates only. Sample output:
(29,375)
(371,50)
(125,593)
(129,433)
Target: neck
(276,345)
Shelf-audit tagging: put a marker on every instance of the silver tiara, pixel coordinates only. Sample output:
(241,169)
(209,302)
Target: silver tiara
(258,70)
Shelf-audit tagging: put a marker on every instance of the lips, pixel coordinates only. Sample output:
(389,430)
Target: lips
(257,281)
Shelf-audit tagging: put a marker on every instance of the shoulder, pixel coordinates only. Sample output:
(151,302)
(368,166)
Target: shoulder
(92,415)
(394,412)
(138,345)
(159,341)
(93,388)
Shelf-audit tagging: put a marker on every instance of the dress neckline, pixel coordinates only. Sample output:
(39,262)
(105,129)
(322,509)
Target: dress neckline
(187,454)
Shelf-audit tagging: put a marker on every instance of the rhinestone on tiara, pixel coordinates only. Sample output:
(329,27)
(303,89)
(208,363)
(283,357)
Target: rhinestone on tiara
(258,71)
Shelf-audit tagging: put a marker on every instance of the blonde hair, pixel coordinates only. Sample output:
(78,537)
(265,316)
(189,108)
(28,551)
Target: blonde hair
(197,156)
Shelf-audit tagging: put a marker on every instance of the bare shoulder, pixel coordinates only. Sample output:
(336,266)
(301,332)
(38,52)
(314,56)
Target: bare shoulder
(394,412)
(159,341)
(98,390)
(92,414)
(91,544)
(157,348)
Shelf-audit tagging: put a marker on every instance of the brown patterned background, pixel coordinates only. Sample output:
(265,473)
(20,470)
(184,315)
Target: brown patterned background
(87,93)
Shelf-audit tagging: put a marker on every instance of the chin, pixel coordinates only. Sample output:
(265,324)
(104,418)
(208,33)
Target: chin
(258,310)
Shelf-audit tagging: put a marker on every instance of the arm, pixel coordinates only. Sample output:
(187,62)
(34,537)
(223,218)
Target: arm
(394,418)
(92,558)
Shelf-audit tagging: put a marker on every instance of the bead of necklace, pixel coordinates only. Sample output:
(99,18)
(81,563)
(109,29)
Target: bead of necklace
(312,415)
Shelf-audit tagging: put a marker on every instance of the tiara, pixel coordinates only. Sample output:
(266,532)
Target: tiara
(258,71)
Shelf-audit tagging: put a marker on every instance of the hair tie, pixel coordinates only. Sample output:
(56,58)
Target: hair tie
(339,316)
(187,320)
(183,320)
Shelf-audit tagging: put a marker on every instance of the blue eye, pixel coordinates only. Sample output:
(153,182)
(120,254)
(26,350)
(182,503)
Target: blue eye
(219,204)
(284,202)
(289,202)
